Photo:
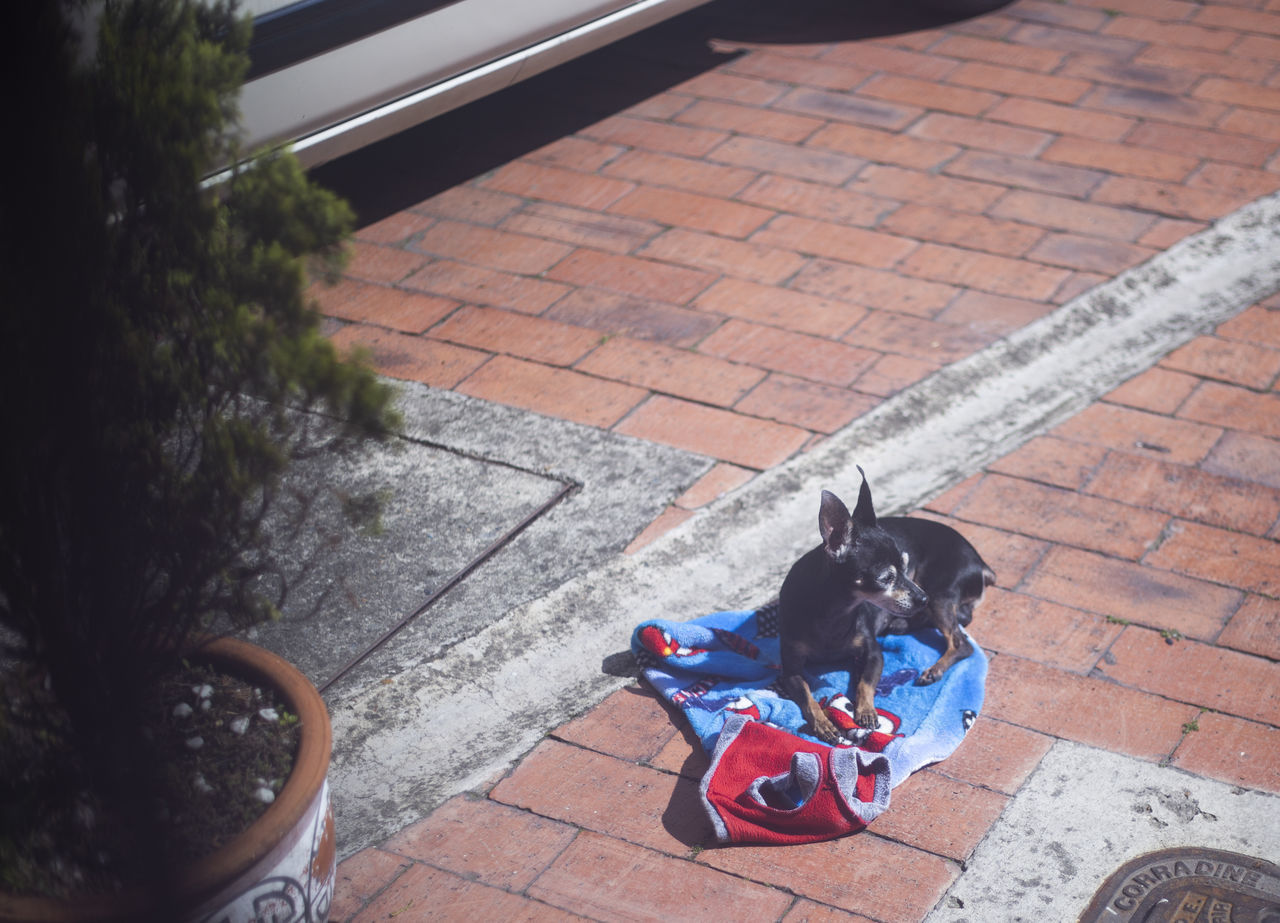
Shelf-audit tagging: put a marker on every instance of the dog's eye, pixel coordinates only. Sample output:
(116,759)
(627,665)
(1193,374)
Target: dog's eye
(887,576)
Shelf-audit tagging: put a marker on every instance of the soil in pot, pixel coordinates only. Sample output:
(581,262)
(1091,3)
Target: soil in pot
(222,750)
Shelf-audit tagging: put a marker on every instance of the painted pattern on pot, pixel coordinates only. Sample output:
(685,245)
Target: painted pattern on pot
(291,884)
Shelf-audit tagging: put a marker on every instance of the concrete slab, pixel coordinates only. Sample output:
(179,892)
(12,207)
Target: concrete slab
(1085,812)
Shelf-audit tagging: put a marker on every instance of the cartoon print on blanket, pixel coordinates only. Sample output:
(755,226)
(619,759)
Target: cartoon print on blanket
(768,781)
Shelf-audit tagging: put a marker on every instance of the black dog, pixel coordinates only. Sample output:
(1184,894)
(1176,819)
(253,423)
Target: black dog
(868,578)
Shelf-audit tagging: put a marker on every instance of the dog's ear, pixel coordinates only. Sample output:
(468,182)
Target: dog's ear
(864,514)
(836,526)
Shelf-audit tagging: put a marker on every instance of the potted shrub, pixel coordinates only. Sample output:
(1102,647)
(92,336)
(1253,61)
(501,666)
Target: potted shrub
(163,368)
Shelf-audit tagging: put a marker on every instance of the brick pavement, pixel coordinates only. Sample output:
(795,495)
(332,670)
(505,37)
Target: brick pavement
(745,261)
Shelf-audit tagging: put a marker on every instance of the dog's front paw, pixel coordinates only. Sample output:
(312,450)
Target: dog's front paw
(824,730)
(867,718)
(929,676)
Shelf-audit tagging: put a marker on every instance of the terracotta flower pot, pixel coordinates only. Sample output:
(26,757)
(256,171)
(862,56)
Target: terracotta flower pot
(281,869)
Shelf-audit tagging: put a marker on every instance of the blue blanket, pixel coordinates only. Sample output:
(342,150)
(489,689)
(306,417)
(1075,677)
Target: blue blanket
(769,781)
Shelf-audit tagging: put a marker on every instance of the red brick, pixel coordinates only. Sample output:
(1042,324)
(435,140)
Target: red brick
(894,60)
(1253,123)
(1198,674)
(426,893)
(631,276)
(409,357)
(471,837)
(680,173)
(555,392)
(1071,215)
(1235,180)
(1144,103)
(631,724)
(764,155)
(1060,119)
(615,233)
(752,261)
(1072,39)
(1128,159)
(1077,284)
(654,136)
(1010,81)
(1257,324)
(852,245)
(809,912)
(799,71)
(373,263)
(1157,390)
(487,287)
(815,200)
(1048,14)
(915,337)
(608,880)
(471,203)
(984,271)
(1247,457)
(1237,64)
(942,815)
(1025,57)
(890,374)
(715,84)
(848,107)
(1229,558)
(1062,516)
(730,437)
(1246,20)
(883,146)
(611,313)
(583,788)
(806,404)
(1188,493)
(980,133)
(792,310)
(995,314)
(555,184)
(1168,231)
(928,94)
(360,879)
(1090,254)
(1089,711)
(916,884)
(691,210)
(717,482)
(749,120)
(576,154)
(667,520)
(1021,171)
(1163,82)
(517,334)
(394,229)
(1167,198)
(1131,592)
(683,373)
(1235,751)
(1165,10)
(408,312)
(1170,33)
(875,288)
(1212,144)
(996,755)
(1238,92)
(1055,461)
(1237,408)
(1034,629)
(1263,47)
(1255,627)
(938,225)
(927,188)
(1130,430)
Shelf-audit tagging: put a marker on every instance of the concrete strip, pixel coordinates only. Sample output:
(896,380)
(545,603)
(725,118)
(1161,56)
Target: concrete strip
(413,736)
(1081,815)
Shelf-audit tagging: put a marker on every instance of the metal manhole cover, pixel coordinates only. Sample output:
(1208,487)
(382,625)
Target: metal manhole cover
(1189,885)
